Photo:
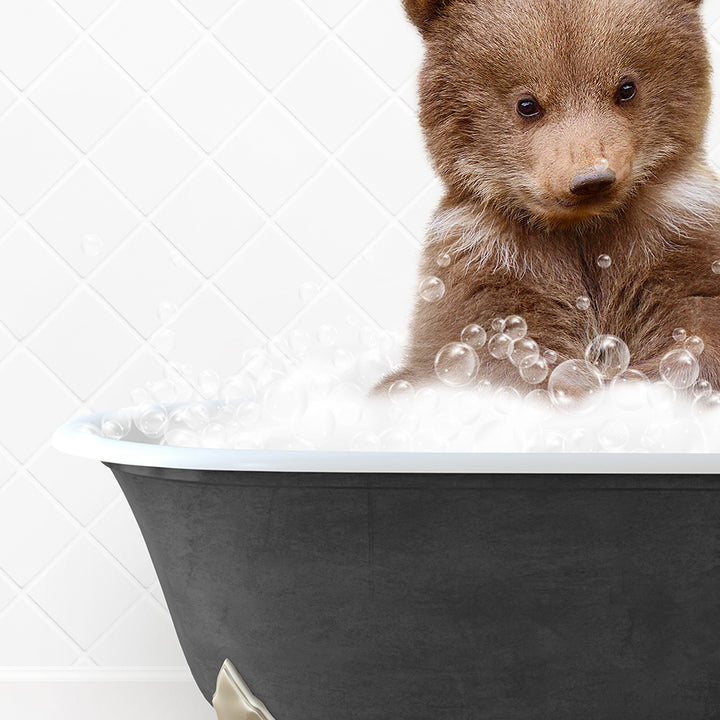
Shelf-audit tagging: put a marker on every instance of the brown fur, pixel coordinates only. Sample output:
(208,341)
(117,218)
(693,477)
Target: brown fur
(516,247)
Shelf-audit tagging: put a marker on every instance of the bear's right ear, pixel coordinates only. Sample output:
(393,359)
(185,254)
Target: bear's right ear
(421,12)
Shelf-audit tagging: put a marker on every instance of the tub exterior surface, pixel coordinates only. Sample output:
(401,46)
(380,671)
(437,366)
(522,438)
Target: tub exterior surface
(430,597)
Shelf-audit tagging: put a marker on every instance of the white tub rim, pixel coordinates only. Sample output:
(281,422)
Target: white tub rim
(72,438)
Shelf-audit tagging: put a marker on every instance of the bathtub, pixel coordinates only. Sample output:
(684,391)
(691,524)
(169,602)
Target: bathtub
(422,586)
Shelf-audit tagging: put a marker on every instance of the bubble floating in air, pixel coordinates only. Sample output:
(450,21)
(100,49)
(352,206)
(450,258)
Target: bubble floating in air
(500,346)
(474,336)
(609,355)
(679,369)
(456,365)
(583,303)
(575,385)
(515,327)
(444,259)
(432,289)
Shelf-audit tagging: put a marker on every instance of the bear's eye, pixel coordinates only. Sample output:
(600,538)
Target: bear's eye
(529,107)
(627,91)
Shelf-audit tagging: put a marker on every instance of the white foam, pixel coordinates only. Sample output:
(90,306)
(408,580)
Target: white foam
(318,399)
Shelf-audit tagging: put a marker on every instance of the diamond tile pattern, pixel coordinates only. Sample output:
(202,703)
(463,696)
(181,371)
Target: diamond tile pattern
(216,154)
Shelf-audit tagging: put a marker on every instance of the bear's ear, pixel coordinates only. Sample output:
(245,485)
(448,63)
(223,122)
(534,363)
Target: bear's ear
(421,12)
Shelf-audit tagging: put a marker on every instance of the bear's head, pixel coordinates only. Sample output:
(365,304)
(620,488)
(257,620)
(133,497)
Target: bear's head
(558,111)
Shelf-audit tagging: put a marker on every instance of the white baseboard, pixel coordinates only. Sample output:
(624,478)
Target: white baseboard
(100,694)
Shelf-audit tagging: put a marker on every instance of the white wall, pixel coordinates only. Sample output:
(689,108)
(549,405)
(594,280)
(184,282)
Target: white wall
(233,158)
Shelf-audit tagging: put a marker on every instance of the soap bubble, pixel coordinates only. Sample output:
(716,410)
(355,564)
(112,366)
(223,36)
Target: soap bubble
(256,362)
(248,414)
(427,400)
(613,436)
(695,345)
(702,389)
(299,340)
(534,370)
(631,387)
(166,310)
(653,437)
(163,391)
(522,350)
(575,385)
(444,259)
(474,336)
(583,303)
(285,399)
(152,420)
(213,435)
(116,425)
(679,334)
(456,364)
(372,364)
(716,267)
(92,245)
(237,388)
(140,396)
(432,289)
(500,346)
(683,436)
(401,391)
(327,335)
(506,400)
(539,403)
(515,327)
(344,361)
(208,384)
(498,325)
(369,336)
(550,356)
(604,262)
(679,369)
(195,415)
(707,405)
(609,355)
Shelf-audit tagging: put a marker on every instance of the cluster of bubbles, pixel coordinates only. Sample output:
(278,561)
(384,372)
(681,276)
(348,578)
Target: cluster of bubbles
(576,383)
(311,392)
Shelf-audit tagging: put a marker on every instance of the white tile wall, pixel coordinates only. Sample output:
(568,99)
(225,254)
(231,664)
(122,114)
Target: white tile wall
(258,164)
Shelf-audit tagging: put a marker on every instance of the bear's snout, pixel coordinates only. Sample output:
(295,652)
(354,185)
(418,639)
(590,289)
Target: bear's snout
(592,181)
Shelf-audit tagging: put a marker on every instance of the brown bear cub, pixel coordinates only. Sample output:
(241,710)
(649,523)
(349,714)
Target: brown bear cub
(567,130)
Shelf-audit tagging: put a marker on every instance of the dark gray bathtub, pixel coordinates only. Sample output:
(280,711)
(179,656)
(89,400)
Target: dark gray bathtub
(428,586)
(465,596)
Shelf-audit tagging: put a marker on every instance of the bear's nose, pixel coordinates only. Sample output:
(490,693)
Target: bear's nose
(592,181)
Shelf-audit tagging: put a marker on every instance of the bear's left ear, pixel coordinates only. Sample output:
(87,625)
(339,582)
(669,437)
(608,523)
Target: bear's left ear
(421,12)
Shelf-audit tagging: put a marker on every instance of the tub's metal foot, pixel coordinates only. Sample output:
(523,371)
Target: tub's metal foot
(233,699)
